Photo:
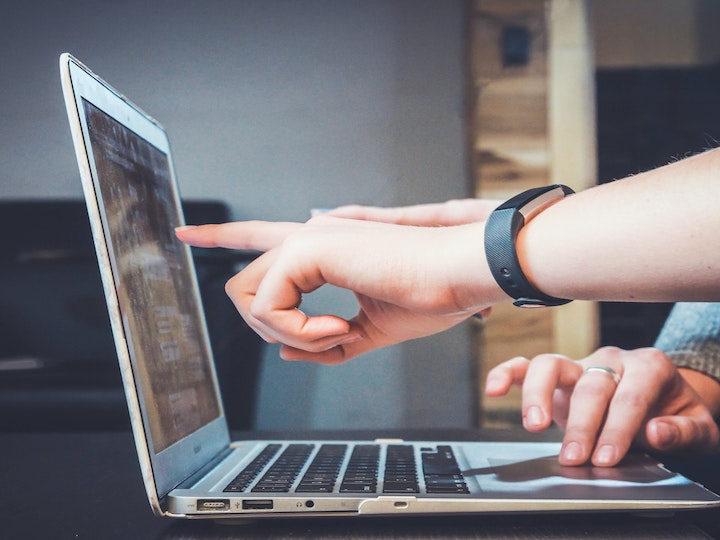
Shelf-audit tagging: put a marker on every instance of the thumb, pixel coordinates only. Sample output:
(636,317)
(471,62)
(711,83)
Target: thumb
(669,433)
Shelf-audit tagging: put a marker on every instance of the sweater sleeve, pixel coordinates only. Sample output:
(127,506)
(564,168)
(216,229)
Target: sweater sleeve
(691,337)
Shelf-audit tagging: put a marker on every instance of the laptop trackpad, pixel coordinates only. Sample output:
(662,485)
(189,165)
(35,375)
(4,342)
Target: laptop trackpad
(632,469)
(636,476)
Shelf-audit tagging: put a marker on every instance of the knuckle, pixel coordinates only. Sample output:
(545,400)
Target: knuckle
(651,355)
(609,350)
(519,361)
(656,368)
(549,359)
(230,285)
(606,353)
(258,311)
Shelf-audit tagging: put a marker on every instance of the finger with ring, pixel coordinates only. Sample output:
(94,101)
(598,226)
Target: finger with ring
(610,372)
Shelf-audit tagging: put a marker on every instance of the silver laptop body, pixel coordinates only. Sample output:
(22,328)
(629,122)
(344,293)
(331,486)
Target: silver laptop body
(189,465)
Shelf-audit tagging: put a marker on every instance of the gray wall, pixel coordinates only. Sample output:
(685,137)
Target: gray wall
(276,107)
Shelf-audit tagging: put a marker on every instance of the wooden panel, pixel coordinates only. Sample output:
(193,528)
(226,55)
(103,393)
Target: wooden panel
(531,125)
(572,131)
(509,124)
(507,333)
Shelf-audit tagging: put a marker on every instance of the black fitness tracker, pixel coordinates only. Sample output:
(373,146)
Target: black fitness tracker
(501,231)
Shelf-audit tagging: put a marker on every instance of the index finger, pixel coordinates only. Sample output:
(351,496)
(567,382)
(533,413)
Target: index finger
(251,235)
(453,212)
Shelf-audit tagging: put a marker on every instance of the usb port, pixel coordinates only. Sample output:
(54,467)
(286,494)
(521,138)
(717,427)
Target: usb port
(257,504)
(213,505)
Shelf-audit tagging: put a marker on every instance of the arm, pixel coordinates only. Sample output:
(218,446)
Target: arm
(650,237)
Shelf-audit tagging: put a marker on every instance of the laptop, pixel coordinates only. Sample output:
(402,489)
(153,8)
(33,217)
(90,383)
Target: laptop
(190,466)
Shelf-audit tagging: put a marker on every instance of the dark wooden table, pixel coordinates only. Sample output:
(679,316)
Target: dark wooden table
(88,485)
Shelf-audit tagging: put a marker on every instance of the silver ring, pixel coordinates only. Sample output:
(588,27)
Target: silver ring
(604,369)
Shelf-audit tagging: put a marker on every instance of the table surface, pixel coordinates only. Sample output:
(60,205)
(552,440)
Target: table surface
(63,485)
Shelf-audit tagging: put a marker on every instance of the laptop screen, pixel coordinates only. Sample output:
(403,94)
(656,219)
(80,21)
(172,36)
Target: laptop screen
(152,275)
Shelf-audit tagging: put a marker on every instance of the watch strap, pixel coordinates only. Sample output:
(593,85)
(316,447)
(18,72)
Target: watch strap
(501,231)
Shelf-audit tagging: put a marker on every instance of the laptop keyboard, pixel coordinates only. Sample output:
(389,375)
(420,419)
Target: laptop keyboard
(324,469)
(439,469)
(282,474)
(247,476)
(442,473)
(400,470)
(362,470)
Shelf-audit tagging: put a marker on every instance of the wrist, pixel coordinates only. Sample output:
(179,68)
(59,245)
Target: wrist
(502,247)
(477,282)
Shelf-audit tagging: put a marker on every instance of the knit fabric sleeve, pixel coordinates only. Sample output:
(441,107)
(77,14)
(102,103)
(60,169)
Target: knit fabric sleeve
(691,337)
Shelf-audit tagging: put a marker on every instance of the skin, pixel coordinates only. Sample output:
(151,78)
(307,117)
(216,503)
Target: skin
(345,253)
(650,237)
(631,240)
(655,406)
(420,270)
(454,212)
(390,311)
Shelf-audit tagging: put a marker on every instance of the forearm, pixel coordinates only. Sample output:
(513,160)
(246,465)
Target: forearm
(652,237)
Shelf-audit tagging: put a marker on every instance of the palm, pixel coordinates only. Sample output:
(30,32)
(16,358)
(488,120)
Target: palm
(385,323)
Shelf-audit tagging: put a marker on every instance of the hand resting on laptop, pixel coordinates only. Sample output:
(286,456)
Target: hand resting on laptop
(654,405)
(664,399)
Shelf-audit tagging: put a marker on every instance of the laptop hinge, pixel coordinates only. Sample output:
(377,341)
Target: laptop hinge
(204,470)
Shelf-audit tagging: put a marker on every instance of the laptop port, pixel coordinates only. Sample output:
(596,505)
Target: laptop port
(213,505)
(257,504)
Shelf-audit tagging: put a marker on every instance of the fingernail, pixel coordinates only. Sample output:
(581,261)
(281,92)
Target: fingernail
(666,433)
(534,417)
(184,228)
(605,454)
(572,451)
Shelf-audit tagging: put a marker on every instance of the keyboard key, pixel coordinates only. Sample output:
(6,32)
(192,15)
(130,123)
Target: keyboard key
(400,470)
(282,474)
(400,487)
(442,472)
(250,472)
(361,472)
(357,487)
(324,469)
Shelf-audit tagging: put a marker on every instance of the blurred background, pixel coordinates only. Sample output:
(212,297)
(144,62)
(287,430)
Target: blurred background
(275,107)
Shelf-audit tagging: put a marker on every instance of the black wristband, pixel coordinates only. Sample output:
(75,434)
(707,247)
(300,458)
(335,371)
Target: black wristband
(501,231)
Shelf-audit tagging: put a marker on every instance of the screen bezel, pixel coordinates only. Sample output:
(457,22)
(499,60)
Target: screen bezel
(165,469)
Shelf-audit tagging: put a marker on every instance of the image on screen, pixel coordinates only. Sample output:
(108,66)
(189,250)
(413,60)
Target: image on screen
(154,281)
